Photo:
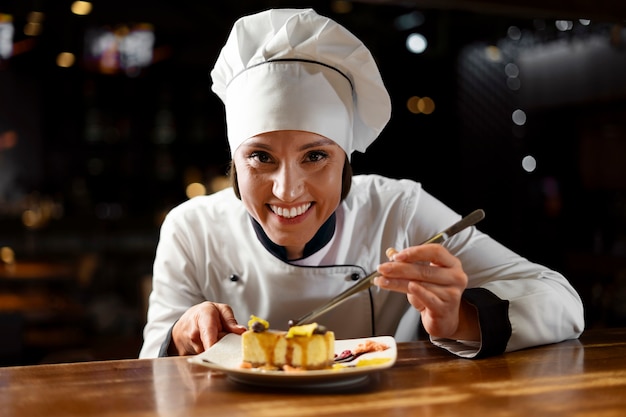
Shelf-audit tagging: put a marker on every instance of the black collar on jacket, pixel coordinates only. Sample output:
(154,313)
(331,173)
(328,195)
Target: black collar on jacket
(321,238)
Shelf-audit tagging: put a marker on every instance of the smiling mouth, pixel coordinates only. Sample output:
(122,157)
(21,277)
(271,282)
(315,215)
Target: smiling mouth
(290,213)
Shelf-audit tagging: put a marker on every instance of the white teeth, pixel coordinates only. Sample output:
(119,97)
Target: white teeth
(290,213)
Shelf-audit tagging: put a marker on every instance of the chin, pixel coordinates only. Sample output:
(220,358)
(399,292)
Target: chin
(282,239)
(289,242)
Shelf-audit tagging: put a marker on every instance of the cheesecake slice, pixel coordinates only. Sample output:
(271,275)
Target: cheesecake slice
(305,347)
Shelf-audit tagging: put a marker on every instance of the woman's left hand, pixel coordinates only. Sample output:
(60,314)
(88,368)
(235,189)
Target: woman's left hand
(434,281)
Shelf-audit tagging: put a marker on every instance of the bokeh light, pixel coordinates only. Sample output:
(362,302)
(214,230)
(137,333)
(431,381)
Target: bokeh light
(416,43)
(529,163)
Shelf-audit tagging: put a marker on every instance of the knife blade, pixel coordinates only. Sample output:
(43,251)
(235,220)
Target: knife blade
(367,281)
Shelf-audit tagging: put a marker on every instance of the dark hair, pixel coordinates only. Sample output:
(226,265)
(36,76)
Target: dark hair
(346,179)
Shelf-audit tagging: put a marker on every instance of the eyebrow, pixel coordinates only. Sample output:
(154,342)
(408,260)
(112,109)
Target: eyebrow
(320,142)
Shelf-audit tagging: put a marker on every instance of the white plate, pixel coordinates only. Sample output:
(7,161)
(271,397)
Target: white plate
(225,356)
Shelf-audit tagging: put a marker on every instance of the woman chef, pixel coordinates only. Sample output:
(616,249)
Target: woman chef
(302,93)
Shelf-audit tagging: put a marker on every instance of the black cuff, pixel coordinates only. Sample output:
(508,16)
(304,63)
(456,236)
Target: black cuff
(493,316)
(166,343)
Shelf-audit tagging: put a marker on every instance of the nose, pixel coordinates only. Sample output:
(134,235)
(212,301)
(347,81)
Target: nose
(288,183)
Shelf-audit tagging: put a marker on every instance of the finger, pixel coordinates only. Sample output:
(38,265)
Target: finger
(208,337)
(416,294)
(184,339)
(393,284)
(390,252)
(416,302)
(406,286)
(403,271)
(208,324)
(427,296)
(422,294)
(429,253)
(228,320)
(218,320)
(193,348)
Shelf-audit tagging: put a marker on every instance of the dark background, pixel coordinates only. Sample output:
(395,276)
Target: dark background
(100,158)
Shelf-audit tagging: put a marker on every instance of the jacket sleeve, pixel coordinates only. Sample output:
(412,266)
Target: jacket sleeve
(520,303)
(174,288)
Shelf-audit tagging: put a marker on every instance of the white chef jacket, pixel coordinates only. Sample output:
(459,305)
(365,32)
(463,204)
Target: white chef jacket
(208,250)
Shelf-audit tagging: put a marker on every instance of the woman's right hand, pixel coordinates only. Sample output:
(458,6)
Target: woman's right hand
(201,326)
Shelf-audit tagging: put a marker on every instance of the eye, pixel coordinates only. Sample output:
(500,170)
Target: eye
(260,156)
(316,156)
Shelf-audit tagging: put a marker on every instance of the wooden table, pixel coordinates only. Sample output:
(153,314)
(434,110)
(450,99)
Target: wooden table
(585,377)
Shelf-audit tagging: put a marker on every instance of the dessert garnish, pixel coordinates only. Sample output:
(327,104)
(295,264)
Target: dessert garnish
(361,349)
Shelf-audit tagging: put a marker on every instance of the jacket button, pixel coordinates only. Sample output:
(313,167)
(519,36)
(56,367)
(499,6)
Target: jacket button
(355,277)
(233,278)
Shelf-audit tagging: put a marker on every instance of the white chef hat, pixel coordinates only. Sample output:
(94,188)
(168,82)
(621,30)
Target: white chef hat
(292,69)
